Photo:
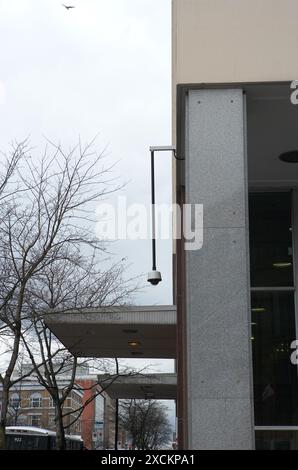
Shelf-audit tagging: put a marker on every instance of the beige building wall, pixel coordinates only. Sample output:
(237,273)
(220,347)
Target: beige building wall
(224,41)
(217,41)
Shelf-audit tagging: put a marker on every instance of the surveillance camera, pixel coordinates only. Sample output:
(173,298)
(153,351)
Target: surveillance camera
(154,277)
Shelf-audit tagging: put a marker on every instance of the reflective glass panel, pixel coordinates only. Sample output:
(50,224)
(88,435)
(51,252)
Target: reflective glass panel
(277,440)
(270,233)
(275,377)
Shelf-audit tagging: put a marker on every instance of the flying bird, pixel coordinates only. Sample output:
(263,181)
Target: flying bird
(68,7)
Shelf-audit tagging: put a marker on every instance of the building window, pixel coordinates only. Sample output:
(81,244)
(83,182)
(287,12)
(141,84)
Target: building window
(21,420)
(78,426)
(52,422)
(15,401)
(275,377)
(270,231)
(76,399)
(51,402)
(36,400)
(272,316)
(35,420)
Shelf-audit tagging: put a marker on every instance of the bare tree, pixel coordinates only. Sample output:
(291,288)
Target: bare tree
(9,282)
(58,376)
(68,285)
(14,409)
(146,422)
(104,381)
(49,253)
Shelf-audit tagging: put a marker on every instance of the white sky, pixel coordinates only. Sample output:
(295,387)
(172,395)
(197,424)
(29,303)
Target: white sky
(101,68)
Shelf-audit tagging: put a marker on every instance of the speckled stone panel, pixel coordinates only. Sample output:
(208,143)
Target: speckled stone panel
(220,404)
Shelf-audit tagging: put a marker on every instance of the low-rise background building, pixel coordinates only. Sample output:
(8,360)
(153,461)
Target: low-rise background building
(90,412)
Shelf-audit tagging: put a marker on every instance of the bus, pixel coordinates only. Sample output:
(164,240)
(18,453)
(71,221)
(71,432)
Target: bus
(32,438)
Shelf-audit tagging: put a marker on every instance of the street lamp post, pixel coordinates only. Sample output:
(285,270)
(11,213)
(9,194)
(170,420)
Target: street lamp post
(154,276)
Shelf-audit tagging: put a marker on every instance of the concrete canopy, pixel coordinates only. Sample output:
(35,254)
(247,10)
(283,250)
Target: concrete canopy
(153,386)
(123,332)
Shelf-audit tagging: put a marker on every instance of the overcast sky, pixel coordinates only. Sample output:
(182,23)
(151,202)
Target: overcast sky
(102,68)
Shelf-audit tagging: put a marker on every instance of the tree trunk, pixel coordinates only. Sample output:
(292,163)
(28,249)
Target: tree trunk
(6,384)
(60,433)
(4,408)
(2,437)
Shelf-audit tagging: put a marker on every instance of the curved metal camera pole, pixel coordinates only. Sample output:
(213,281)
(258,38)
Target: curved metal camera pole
(154,277)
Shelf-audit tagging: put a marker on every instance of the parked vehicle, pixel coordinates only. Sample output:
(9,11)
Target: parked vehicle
(32,438)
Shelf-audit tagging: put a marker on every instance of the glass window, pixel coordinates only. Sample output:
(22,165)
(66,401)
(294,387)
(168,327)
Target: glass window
(275,377)
(26,442)
(14,401)
(273,320)
(35,420)
(276,440)
(270,232)
(36,400)
(31,442)
(52,422)
(21,420)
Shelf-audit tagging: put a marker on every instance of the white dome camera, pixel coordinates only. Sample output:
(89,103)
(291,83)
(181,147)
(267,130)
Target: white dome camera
(154,277)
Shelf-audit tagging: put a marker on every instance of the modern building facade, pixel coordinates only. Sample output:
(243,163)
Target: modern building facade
(235,119)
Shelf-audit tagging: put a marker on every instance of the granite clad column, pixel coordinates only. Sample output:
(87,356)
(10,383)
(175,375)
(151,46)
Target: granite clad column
(219,375)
